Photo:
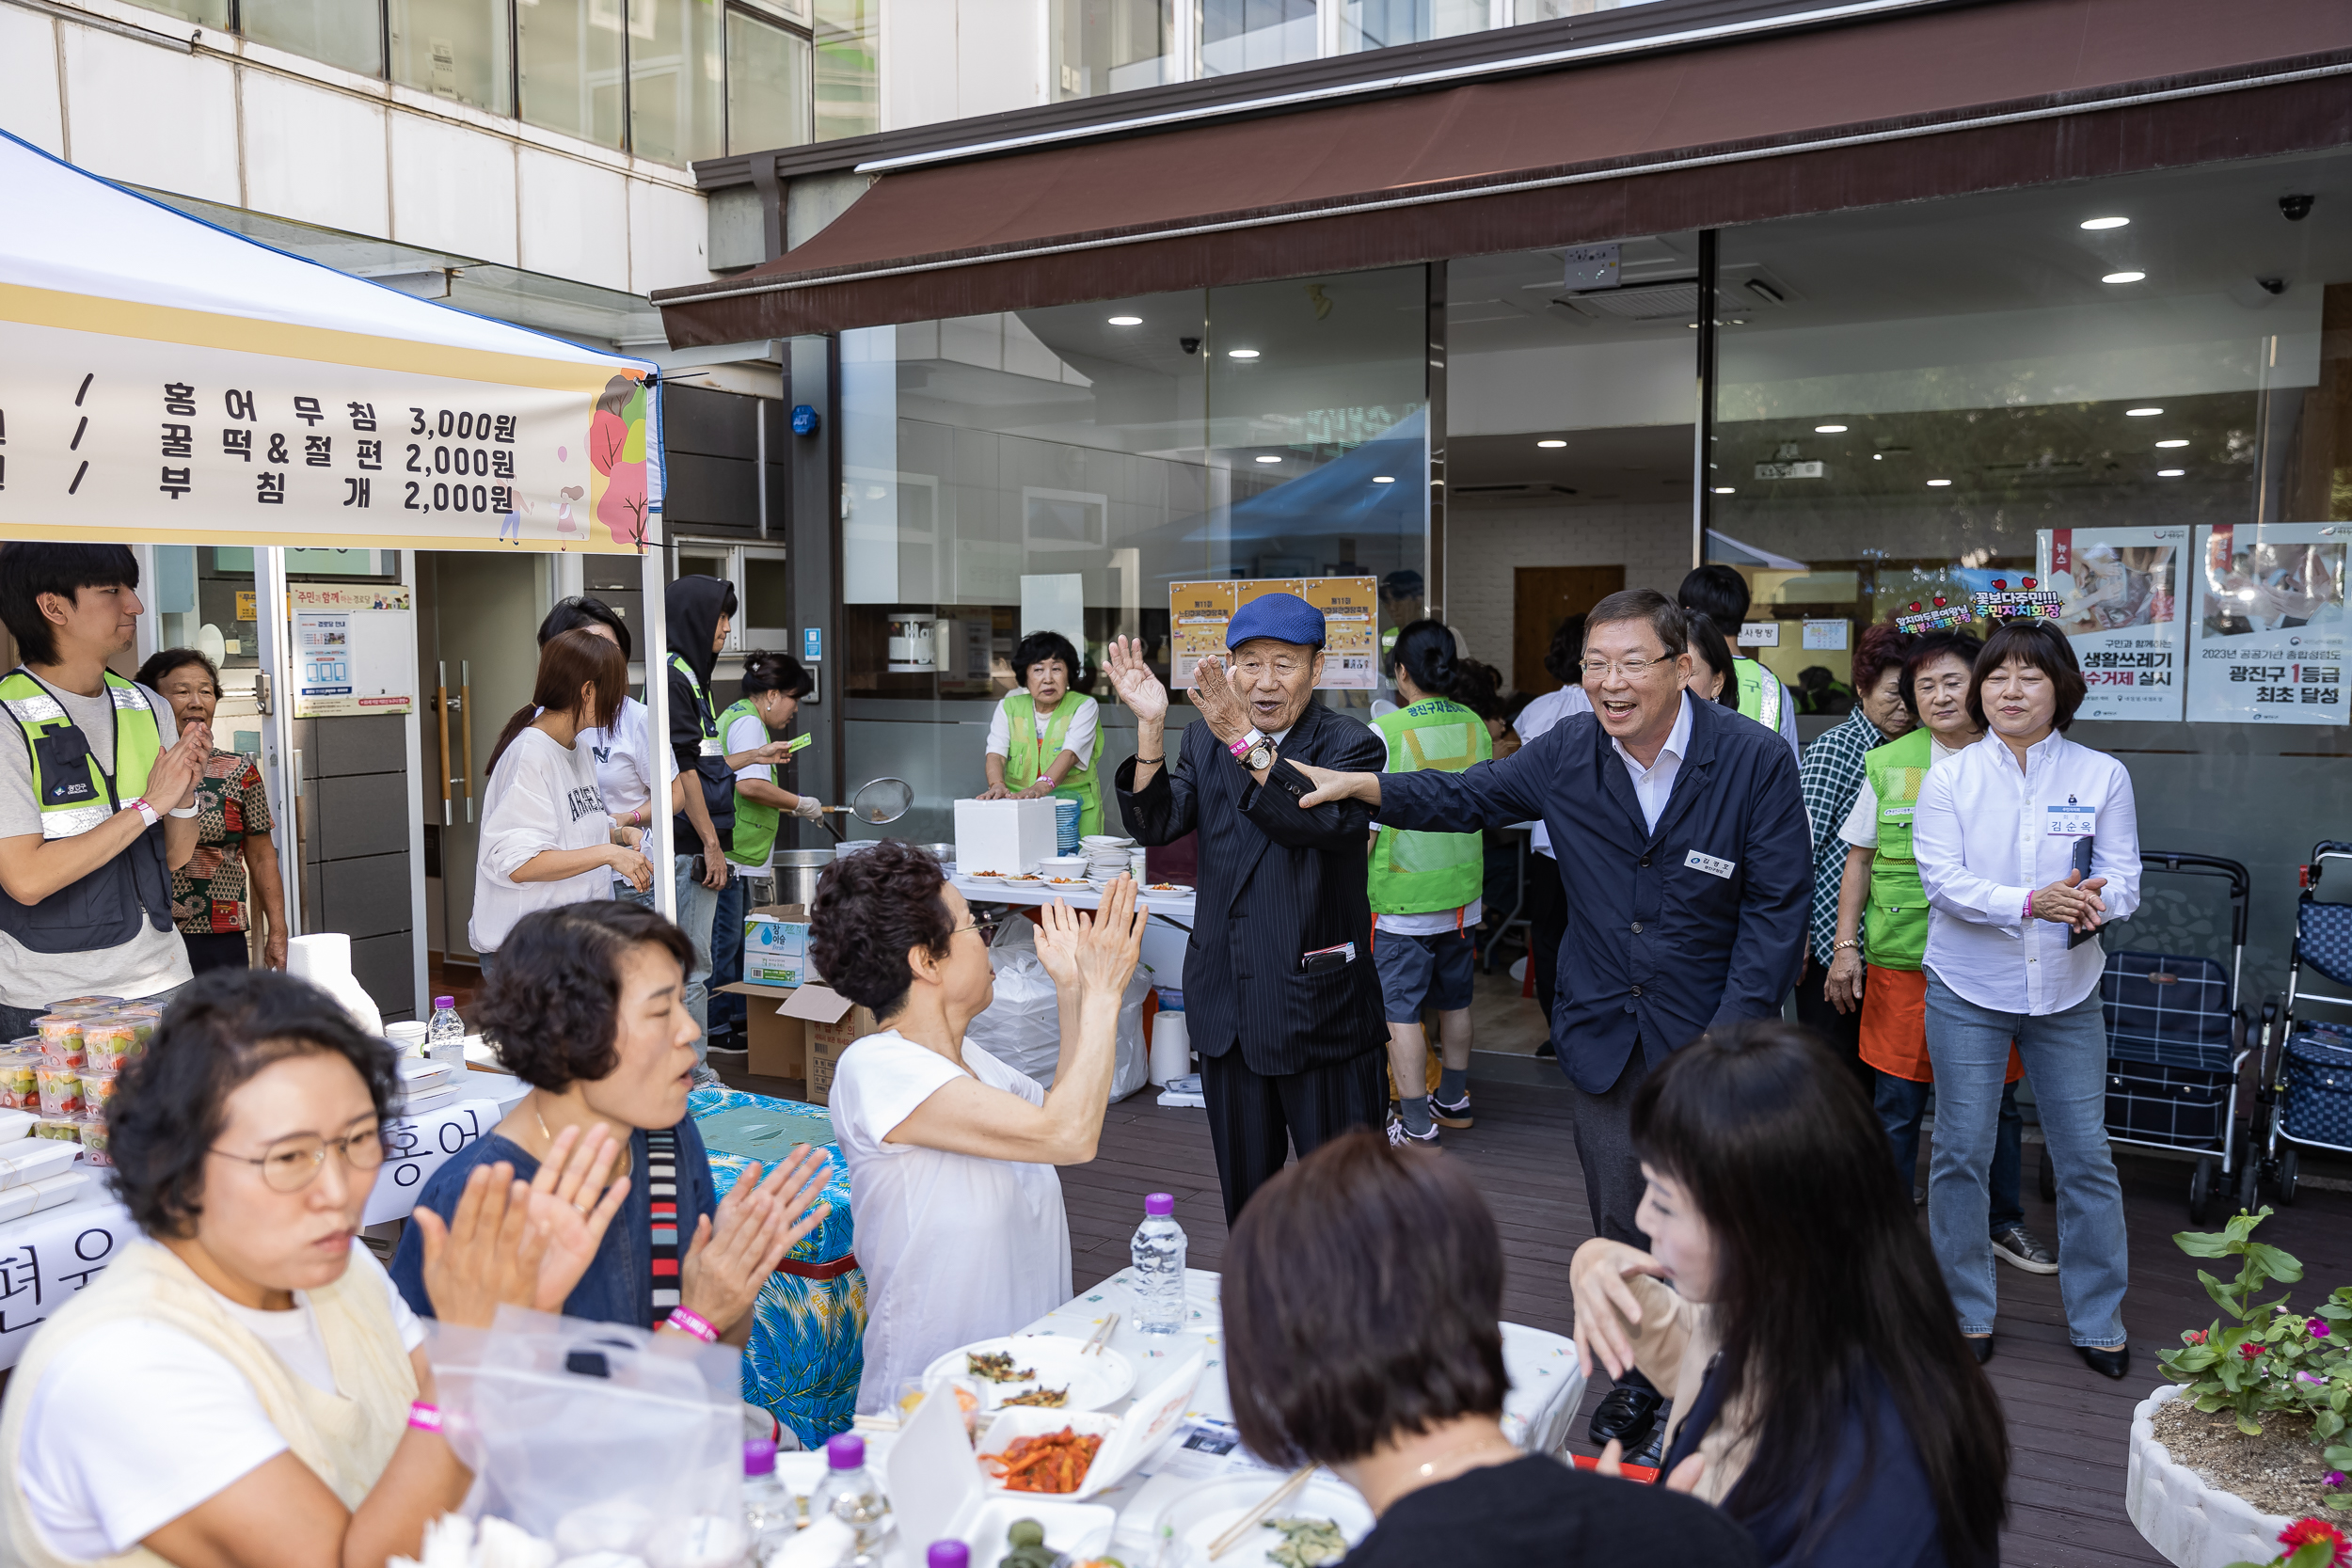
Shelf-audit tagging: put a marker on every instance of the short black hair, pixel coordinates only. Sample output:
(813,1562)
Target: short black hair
(1037,648)
(1930,647)
(580,610)
(870,908)
(163,661)
(552,1006)
(1566,651)
(171,1102)
(764,670)
(1718,592)
(29,568)
(1664,616)
(1364,1298)
(2040,644)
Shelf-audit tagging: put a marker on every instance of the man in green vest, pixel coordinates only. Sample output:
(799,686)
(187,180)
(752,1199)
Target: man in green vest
(1721,595)
(1427,890)
(97,791)
(773,685)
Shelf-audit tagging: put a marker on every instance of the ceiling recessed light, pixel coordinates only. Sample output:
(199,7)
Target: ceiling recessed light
(1268,458)
(1241,354)
(1878,457)
(2140,413)
(2173,443)
(1829,430)
(1726,490)
(1552,443)
(2123,277)
(1938,483)
(1126,320)
(2171,473)
(1384,479)
(2105,223)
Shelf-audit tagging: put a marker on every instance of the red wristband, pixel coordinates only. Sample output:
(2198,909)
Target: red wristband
(423,1416)
(687,1321)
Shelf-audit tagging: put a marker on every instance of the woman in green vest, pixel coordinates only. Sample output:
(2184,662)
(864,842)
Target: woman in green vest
(1427,889)
(1046,738)
(773,685)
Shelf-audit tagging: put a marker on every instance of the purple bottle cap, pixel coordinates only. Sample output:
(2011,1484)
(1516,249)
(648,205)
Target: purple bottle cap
(445,1002)
(1159,1205)
(759,1456)
(948,1554)
(845,1451)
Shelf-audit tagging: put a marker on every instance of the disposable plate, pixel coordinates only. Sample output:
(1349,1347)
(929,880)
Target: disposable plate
(1195,1519)
(1094,1380)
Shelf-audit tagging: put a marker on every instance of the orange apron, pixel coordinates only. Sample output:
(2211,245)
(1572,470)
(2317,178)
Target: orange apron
(1895,1025)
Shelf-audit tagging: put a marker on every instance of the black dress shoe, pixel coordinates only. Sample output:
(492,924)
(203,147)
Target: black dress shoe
(2106,1363)
(1626,1414)
(1547,1049)
(1979,1346)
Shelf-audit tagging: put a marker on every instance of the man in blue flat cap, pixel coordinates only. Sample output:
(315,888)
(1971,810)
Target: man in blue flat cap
(1280,997)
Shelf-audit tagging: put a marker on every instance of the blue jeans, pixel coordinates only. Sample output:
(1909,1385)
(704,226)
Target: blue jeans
(2066,1056)
(727,1012)
(697,905)
(1901,1104)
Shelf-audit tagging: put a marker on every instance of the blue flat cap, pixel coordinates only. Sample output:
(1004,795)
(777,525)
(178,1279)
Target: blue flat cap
(1284,617)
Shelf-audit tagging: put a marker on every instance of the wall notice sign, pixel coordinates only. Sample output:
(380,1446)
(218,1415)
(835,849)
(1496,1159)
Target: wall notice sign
(2269,645)
(353,650)
(247,602)
(1199,613)
(1825,636)
(812,644)
(1761,634)
(2119,603)
(1810,469)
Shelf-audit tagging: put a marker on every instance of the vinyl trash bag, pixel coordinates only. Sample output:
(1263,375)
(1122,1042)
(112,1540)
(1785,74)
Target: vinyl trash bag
(1021,1027)
(598,1437)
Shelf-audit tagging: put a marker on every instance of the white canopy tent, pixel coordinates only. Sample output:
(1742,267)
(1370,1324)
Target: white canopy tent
(165,381)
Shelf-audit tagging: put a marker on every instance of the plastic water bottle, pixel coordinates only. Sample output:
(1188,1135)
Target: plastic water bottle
(948,1554)
(445,1036)
(1158,1254)
(770,1517)
(848,1490)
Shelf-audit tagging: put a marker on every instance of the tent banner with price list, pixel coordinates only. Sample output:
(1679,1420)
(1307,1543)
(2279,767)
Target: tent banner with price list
(165,381)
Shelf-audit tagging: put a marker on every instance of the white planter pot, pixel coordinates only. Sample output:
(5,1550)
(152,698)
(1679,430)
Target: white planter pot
(2193,1524)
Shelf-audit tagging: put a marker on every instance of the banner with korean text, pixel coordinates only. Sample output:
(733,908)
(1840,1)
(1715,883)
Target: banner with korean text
(2120,604)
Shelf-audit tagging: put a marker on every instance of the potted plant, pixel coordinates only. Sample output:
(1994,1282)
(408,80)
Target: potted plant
(2210,1492)
(2309,1544)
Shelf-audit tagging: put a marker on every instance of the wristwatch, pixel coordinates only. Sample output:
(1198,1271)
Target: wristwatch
(1253,750)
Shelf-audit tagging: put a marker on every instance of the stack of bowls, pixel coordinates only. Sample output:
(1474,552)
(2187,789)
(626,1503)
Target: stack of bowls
(1107,858)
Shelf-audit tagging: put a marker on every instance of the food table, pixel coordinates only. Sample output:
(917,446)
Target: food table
(1163,934)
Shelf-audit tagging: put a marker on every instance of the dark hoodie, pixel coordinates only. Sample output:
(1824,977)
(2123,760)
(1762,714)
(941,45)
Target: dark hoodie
(694,605)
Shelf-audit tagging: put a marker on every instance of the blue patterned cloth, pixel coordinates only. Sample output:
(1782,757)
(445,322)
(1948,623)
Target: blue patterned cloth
(806,1351)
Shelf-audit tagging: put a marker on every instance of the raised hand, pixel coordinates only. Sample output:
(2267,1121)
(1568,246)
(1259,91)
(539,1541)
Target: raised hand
(1132,678)
(1214,696)
(486,1254)
(1108,949)
(1060,928)
(758,1222)
(566,1212)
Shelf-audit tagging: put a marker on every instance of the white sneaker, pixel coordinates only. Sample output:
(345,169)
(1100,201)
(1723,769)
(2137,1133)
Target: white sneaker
(1399,1137)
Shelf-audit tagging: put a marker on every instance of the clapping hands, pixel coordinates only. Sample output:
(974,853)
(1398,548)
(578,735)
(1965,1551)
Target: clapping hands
(1097,956)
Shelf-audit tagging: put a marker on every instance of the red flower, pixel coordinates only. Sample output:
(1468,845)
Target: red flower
(2305,1531)
(2250,1352)
(2193,1336)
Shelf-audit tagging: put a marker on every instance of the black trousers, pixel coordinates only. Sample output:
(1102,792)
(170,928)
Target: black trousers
(1546,923)
(1604,1148)
(1843,1031)
(216,950)
(1254,1120)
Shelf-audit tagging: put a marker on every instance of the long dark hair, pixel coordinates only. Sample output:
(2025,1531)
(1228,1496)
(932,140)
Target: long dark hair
(582,610)
(1425,651)
(1822,1281)
(570,660)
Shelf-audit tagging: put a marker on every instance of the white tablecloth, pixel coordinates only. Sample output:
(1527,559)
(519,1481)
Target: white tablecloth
(1163,934)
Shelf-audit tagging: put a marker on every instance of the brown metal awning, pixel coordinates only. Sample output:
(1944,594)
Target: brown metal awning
(1902,107)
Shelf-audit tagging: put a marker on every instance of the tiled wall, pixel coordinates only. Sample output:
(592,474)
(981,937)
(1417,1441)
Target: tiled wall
(1485,544)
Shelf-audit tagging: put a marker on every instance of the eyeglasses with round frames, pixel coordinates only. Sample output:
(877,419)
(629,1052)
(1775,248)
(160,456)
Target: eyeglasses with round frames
(292,1163)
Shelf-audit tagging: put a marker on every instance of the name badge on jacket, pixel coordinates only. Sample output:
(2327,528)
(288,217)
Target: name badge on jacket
(1710,864)
(2072,820)
(711,747)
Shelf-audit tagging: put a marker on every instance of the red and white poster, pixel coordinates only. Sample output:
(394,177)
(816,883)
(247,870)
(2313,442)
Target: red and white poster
(2120,604)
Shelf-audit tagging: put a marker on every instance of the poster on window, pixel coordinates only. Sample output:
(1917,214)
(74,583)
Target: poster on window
(2267,644)
(2120,604)
(1199,613)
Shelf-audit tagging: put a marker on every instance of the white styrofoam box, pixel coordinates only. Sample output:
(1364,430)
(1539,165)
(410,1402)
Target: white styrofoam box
(936,1491)
(34,1160)
(50,1192)
(1004,835)
(16,1125)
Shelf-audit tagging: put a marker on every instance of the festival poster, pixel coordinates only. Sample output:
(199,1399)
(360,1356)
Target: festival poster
(1199,613)
(2119,602)
(2269,645)
(1351,630)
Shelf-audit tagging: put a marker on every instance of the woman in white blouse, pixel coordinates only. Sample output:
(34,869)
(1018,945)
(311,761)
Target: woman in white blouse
(959,1215)
(2004,832)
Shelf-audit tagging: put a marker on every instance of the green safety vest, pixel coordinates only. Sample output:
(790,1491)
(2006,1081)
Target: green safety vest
(1895,923)
(1415,873)
(755,820)
(1761,693)
(1026,757)
(718,782)
(77,792)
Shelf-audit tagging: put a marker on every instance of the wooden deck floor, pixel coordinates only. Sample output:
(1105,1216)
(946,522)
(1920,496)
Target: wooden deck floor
(2068,1425)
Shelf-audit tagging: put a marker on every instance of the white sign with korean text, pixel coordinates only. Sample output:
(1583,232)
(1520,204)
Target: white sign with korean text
(417,1146)
(2120,603)
(2269,641)
(46,1258)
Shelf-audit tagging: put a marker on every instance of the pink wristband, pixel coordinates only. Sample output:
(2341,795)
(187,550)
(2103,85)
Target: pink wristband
(424,1417)
(2028,907)
(687,1321)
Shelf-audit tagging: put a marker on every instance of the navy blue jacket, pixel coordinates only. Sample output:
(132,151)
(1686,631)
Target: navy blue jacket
(1657,948)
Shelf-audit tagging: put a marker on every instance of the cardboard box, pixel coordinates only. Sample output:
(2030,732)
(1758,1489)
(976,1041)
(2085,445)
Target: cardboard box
(1004,836)
(775,945)
(831,1023)
(777,1046)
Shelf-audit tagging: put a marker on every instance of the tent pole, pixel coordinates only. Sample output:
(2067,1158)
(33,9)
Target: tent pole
(655,630)
(274,622)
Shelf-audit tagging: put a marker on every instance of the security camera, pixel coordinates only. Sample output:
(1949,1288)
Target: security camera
(1190,345)
(2297,208)
(2271,285)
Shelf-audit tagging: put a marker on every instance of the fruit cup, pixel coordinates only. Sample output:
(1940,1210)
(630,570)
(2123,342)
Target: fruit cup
(85,1001)
(64,1129)
(62,1037)
(61,1090)
(142,1021)
(94,1141)
(20,1088)
(97,1087)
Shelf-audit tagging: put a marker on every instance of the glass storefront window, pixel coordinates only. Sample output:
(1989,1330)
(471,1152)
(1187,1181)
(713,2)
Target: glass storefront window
(1551,11)
(204,13)
(767,85)
(1060,468)
(345,33)
(1103,46)
(453,49)
(571,67)
(1381,24)
(848,73)
(1245,35)
(676,79)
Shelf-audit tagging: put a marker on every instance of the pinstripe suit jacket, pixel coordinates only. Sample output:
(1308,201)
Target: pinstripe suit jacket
(1276,881)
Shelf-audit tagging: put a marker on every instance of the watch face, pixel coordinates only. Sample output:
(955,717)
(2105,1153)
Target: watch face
(1261,755)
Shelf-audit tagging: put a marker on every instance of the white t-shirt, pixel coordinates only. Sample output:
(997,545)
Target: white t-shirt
(150,962)
(542,796)
(1539,715)
(1427,923)
(136,1423)
(1078,741)
(624,753)
(1861,828)
(955,1248)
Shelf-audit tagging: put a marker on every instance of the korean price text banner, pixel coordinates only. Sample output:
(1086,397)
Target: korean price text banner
(1199,613)
(162,424)
(2269,641)
(2121,605)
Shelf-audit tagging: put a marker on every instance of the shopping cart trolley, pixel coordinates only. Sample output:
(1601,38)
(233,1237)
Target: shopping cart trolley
(2303,1086)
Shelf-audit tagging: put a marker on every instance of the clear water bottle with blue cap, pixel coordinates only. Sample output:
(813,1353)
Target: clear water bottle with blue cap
(1158,1255)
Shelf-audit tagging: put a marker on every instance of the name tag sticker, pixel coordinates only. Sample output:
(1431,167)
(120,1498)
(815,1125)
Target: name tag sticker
(2072,821)
(1710,864)
(711,747)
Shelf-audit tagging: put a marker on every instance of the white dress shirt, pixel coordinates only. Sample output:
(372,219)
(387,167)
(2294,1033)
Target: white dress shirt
(1539,715)
(1654,785)
(1986,834)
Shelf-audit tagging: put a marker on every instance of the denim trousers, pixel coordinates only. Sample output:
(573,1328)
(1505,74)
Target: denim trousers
(2066,1055)
(697,907)
(728,1013)
(1902,1103)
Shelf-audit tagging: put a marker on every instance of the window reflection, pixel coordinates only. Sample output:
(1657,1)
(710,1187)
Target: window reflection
(676,80)
(1248,35)
(345,33)
(1383,24)
(453,49)
(1103,46)
(767,85)
(571,67)
(849,76)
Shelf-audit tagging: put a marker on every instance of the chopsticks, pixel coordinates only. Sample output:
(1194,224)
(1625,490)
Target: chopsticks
(1250,1520)
(1102,1337)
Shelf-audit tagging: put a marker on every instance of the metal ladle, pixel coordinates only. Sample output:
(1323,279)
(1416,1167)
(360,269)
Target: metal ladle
(877,800)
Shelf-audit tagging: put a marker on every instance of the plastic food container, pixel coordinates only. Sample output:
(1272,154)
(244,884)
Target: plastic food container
(20,1086)
(64,1129)
(143,1021)
(107,1039)
(61,1090)
(73,1002)
(62,1037)
(94,1141)
(98,1086)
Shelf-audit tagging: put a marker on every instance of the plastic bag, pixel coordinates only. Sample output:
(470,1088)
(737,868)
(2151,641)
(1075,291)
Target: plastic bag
(598,1436)
(1021,1027)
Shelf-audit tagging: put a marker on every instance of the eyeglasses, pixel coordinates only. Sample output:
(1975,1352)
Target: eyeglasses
(1632,668)
(292,1163)
(986,927)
